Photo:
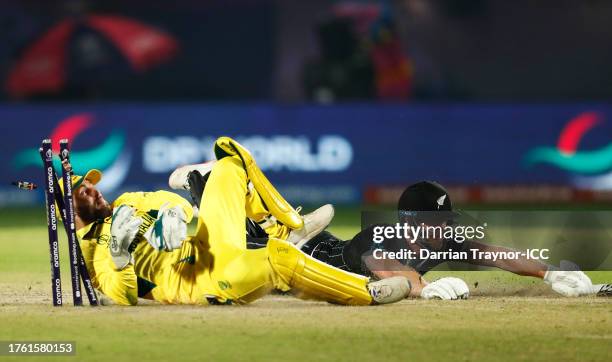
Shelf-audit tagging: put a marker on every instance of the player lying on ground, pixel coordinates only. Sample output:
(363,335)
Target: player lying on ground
(355,255)
(139,244)
(433,201)
(324,246)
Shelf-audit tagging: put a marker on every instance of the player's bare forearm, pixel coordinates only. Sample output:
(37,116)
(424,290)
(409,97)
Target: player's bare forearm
(520,266)
(391,268)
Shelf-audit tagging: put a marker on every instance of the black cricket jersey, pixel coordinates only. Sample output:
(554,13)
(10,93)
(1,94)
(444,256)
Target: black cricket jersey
(348,254)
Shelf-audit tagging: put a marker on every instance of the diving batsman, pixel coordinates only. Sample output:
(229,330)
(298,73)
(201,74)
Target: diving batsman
(424,204)
(138,245)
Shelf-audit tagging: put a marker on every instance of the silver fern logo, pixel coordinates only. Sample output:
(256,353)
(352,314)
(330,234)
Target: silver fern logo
(440,201)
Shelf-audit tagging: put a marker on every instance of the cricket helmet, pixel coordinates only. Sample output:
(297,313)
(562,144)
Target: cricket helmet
(427,201)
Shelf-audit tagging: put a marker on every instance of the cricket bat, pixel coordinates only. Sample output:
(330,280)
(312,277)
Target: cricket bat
(602,290)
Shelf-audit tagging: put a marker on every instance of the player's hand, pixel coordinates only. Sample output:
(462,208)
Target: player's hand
(447,289)
(124,227)
(569,283)
(169,230)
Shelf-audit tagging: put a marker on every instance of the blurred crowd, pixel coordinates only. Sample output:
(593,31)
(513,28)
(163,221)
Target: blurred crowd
(318,50)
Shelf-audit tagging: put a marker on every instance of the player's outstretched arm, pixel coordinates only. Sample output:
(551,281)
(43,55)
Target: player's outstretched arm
(569,282)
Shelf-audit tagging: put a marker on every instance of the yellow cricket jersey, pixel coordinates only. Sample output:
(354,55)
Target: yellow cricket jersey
(122,285)
(214,266)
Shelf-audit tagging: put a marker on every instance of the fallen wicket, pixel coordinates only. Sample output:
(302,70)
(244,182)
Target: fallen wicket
(54,200)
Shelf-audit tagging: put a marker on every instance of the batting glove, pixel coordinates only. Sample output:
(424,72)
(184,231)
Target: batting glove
(447,289)
(124,227)
(569,283)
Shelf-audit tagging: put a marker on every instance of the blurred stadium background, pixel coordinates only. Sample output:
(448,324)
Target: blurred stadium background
(505,102)
(341,101)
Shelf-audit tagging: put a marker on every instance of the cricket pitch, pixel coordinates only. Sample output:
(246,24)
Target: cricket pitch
(507,318)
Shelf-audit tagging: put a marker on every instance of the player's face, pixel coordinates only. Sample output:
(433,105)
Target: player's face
(89,203)
(434,239)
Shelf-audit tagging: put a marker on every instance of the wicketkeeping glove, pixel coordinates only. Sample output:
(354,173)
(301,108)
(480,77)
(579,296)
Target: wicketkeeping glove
(169,230)
(124,227)
(569,283)
(447,289)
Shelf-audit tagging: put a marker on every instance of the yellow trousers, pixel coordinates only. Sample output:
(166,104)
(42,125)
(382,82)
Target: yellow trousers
(236,273)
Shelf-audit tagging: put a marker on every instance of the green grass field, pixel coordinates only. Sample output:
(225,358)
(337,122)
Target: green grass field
(507,318)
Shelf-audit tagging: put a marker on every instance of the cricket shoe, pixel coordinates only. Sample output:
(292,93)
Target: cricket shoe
(389,290)
(179,179)
(314,223)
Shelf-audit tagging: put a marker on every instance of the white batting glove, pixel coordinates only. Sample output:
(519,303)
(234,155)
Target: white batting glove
(124,227)
(447,289)
(569,283)
(169,230)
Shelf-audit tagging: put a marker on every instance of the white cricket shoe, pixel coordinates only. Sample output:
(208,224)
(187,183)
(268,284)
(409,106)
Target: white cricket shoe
(314,223)
(389,290)
(178,179)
